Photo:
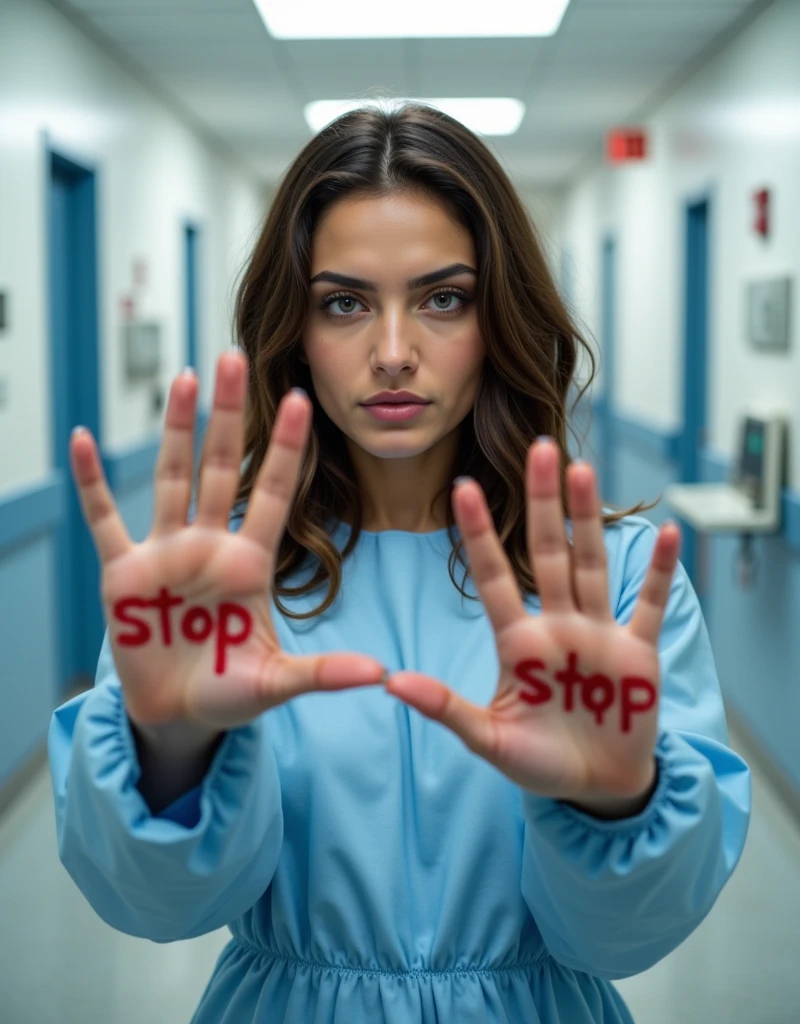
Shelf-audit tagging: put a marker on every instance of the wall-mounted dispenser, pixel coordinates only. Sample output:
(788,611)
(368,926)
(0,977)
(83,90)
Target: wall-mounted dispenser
(750,502)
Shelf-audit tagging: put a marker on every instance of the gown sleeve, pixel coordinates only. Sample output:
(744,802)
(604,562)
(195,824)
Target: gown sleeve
(200,863)
(612,898)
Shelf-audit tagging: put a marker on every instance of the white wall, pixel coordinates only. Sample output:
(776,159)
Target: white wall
(734,127)
(545,206)
(154,172)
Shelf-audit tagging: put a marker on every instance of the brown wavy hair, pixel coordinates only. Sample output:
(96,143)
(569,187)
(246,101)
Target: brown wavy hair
(530,338)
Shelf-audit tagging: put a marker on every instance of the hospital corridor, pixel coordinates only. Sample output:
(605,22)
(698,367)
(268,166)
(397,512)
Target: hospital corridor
(191,831)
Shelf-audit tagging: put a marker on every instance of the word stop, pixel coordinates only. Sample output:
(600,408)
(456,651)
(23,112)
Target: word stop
(196,625)
(597,692)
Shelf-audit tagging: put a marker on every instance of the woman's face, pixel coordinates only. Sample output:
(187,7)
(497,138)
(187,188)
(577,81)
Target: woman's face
(380,334)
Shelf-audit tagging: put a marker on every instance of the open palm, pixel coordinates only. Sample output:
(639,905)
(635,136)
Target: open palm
(188,609)
(575,711)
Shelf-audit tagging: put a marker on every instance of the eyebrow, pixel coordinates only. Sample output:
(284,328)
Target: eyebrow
(413,282)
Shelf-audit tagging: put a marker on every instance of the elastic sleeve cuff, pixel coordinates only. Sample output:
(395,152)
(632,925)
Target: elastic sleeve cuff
(548,812)
(199,864)
(230,761)
(611,897)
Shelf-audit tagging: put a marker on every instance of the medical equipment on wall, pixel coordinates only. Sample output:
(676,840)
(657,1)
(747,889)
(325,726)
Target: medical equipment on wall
(750,501)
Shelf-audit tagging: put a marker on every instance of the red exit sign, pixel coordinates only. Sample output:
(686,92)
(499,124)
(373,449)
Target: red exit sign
(625,144)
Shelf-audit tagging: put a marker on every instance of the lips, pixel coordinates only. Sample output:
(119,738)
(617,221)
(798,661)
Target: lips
(401,397)
(396,401)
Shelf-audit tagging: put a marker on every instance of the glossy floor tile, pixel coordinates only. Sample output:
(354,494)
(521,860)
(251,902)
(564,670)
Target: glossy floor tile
(61,964)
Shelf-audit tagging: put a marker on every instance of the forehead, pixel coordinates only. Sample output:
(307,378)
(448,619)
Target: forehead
(404,225)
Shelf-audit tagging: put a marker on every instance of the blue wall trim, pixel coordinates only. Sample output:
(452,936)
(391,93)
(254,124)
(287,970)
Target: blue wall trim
(40,507)
(133,467)
(658,443)
(27,512)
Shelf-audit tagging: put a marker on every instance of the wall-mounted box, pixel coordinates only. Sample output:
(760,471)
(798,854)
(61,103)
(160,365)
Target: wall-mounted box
(768,305)
(3,311)
(142,350)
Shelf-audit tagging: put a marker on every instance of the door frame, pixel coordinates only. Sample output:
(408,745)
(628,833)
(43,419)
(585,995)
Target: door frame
(75,398)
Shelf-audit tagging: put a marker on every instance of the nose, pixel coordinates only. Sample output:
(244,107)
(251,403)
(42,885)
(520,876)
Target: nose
(395,345)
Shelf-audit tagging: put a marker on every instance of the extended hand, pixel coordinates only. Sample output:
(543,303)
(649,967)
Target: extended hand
(575,713)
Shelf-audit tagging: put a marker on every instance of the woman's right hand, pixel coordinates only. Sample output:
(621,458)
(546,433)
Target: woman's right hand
(212,660)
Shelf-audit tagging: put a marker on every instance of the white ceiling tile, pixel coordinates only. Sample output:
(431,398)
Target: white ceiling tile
(477,67)
(600,21)
(678,6)
(223,45)
(136,7)
(607,59)
(204,25)
(334,69)
(246,113)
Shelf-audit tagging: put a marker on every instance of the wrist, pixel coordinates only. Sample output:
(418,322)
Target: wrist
(173,759)
(178,737)
(617,808)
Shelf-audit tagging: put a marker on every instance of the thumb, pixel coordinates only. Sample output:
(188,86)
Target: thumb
(289,675)
(470,722)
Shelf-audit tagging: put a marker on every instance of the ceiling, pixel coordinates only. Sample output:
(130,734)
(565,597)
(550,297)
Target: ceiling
(610,63)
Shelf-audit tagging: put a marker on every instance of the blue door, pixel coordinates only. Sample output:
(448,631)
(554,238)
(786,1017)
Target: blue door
(695,376)
(72,259)
(605,405)
(190,245)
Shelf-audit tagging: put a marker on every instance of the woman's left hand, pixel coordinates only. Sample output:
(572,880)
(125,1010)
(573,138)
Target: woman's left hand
(575,712)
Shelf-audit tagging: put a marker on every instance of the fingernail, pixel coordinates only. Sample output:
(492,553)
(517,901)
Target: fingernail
(461,480)
(300,391)
(190,371)
(544,437)
(77,430)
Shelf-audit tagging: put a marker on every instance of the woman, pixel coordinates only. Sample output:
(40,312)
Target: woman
(541,798)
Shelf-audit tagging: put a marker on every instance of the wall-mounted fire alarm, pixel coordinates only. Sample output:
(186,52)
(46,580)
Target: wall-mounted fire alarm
(761,222)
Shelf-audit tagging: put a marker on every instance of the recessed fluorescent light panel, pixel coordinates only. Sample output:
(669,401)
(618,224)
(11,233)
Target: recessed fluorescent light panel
(410,19)
(489,116)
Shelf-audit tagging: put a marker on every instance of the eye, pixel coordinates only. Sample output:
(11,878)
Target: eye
(447,294)
(343,297)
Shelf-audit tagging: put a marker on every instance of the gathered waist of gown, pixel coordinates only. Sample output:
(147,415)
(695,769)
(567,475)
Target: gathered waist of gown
(255,984)
(535,961)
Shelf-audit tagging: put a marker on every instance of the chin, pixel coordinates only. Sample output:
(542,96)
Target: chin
(395,449)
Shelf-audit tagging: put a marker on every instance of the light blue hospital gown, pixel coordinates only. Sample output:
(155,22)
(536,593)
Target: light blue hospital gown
(370,867)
